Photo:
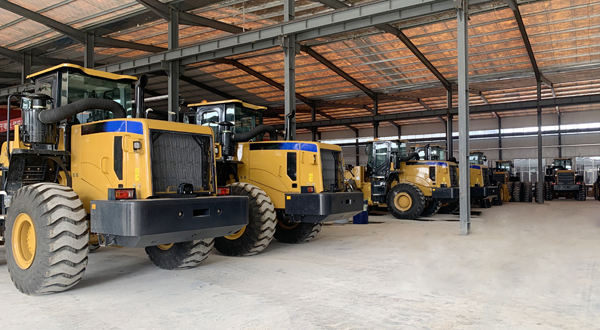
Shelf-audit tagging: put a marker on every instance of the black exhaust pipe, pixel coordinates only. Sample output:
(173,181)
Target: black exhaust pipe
(52,116)
(139,97)
(260,129)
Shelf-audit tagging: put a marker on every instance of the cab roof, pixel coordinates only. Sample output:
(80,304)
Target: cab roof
(89,72)
(247,105)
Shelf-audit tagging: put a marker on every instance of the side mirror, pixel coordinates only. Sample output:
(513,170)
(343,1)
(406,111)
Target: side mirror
(484,158)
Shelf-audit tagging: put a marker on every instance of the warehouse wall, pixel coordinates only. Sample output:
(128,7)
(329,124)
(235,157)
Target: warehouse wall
(574,145)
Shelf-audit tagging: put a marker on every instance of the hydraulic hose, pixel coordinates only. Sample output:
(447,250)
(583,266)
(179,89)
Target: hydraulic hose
(246,136)
(52,116)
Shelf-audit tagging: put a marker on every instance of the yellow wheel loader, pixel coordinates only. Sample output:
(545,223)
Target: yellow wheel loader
(509,185)
(438,152)
(562,181)
(77,167)
(293,186)
(482,191)
(406,186)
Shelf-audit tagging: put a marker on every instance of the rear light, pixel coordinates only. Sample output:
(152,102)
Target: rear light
(223,191)
(307,189)
(124,194)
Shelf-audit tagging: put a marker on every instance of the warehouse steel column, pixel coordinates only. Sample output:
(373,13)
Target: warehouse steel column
(559,135)
(25,67)
(173,80)
(88,50)
(463,116)
(499,136)
(357,149)
(313,118)
(376,113)
(289,51)
(449,118)
(541,171)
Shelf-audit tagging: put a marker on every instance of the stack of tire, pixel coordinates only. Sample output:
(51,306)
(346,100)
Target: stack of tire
(521,191)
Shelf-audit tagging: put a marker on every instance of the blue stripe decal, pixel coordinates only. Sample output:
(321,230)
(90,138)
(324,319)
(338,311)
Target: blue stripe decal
(116,126)
(288,146)
(477,167)
(308,147)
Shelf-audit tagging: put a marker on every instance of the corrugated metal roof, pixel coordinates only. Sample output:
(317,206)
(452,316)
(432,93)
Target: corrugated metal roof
(565,37)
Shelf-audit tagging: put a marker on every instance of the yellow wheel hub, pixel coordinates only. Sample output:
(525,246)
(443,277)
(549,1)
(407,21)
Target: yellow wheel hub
(402,201)
(288,225)
(24,241)
(237,234)
(165,247)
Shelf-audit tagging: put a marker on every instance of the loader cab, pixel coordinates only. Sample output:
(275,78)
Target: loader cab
(430,152)
(504,165)
(477,158)
(381,156)
(563,164)
(67,83)
(242,115)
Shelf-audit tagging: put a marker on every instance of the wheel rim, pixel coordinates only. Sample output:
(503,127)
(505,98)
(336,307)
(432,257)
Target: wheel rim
(236,235)
(402,201)
(288,225)
(24,241)
(165,247)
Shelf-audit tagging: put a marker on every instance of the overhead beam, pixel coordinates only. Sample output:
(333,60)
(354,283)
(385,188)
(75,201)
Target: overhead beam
(309,28)
(405,40)
(519,19)
(337,70)
(162,10)
(262,77)
(205,87)
(480,94)
(497,107)
(18,57)
(72,32)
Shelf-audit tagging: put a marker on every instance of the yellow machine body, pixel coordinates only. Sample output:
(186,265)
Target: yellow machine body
(267,168)
(93,165)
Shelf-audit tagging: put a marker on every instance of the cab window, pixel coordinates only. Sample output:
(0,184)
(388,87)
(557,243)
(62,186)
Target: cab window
(210,119)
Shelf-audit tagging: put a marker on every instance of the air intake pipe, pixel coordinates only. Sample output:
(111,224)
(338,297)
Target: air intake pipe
(228,138)
(139,96)
(260,129)
(52,116)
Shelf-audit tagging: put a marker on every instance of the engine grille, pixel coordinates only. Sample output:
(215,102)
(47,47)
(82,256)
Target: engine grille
(486,176)
(500,177)
(566,178)
(181,158)
(331,164)
(454,175)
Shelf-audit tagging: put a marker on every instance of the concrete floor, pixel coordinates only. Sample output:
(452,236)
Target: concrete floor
(523,267)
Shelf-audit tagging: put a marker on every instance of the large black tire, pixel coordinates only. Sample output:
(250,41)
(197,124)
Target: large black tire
(57,238)
(548,195)
(516,195)
(485,203)
(257,235)
(535,192)
(431,207)
(183,255)
(528,192)
(449,208)
(405,191)
(596,189)
(510,186)
(582,193)
(295,232)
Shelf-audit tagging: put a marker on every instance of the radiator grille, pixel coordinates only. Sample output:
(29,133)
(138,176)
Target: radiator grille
(486,176)
(454,175)
(566,178)
(181,158)
(500,177)
(331,164)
